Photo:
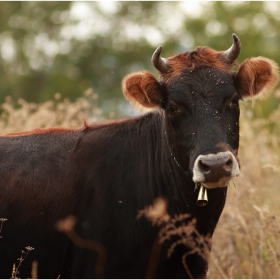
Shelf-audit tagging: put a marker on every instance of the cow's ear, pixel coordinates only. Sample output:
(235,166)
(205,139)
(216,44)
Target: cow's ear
(143,90)
(257,77)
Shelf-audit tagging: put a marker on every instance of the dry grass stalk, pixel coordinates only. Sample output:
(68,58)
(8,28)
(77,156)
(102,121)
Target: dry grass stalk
(156,213)
(180,227)
(67,226)
(15,269)
(34,270)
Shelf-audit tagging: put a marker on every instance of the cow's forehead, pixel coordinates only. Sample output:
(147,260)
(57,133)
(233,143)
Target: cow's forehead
(201,57)
(203,81)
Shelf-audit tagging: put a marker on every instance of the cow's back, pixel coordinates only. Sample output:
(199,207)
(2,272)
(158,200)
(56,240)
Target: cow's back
(33,196)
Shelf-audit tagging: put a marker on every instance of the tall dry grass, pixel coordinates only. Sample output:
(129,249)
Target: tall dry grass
(246,241)
(21,115)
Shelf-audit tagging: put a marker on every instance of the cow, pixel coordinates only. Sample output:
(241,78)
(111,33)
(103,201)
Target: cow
(105,173)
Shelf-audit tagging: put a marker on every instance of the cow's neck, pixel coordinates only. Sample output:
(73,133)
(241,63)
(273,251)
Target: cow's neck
(184,193)
(172,154)
(176,180)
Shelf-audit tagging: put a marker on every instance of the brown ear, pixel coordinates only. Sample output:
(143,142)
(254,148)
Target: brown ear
(143,90)
(257,77)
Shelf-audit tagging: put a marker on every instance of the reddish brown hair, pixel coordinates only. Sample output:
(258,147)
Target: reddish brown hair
(143,89)
(201,56)
(257,77)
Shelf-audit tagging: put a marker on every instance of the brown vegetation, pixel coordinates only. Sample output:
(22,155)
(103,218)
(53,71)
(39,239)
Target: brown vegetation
(246,240)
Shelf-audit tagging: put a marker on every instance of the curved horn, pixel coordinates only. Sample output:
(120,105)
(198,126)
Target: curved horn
(232,53)
(160,63)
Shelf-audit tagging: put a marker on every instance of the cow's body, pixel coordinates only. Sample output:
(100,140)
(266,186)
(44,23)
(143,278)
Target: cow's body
(34,195)
(104,174)
(108,214)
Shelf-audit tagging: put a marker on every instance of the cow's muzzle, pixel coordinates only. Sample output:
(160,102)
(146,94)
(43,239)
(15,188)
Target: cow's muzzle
(215,170)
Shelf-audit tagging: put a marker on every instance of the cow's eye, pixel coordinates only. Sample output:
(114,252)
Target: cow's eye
(234,101)
(173,108)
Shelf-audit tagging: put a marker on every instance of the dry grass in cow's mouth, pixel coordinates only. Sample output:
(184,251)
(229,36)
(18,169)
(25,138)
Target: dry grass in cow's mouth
(246,240)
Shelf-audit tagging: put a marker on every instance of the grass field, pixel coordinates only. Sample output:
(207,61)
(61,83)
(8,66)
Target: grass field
(246,241)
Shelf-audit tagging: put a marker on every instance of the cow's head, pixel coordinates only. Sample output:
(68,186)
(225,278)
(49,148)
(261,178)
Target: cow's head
(199,93)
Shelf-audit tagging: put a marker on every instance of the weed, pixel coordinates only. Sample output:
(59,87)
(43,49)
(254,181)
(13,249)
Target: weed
(181,229)
(67,226)
(15,270)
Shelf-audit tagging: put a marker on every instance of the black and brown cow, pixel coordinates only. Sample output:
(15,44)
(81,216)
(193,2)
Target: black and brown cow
(105,173)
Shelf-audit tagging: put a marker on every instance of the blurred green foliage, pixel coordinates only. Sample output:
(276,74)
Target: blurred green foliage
(67,47)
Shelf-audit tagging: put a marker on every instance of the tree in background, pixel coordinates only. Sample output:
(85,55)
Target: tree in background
(67,47)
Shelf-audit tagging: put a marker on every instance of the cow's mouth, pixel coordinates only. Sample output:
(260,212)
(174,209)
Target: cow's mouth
(223,182)
(202,199)
(213,171)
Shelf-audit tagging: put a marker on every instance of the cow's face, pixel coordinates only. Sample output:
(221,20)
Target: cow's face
(200,95)
(202,116)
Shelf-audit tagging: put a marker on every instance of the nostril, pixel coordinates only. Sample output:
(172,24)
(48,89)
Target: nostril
(229,162)
(204,167)
(228,165)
